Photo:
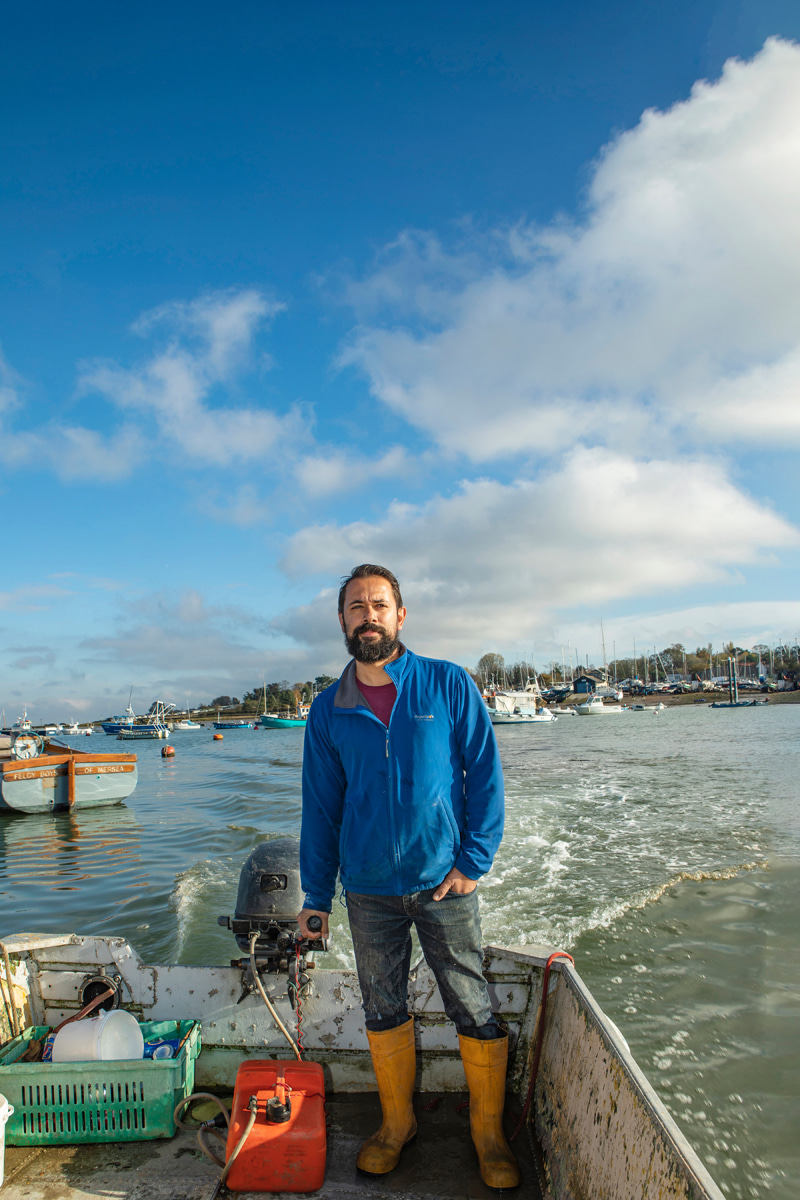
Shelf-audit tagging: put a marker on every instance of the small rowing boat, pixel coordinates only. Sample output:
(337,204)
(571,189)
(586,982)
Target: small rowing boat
(41,776)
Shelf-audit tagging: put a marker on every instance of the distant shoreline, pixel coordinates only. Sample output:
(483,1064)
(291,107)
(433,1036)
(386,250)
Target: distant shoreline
(670,701)
(710,697)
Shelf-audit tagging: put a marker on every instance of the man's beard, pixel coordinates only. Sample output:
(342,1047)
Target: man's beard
(374,651)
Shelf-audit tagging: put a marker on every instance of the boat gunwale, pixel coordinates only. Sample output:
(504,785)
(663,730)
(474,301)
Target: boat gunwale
(42,761)
(639,1083)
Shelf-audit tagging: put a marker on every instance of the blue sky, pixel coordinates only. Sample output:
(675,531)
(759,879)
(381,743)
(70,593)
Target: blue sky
(504,296)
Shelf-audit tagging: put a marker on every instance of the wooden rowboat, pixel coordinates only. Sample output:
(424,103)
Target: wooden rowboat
(39,776)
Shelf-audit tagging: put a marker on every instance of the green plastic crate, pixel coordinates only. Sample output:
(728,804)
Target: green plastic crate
(75,1103)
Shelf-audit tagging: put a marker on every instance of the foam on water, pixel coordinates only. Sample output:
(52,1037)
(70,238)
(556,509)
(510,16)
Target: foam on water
(201,894)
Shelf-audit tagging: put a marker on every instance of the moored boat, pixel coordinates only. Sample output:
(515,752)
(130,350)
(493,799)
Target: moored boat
(21,725)
(596,706)
(582,1117)
(270,721)
(40,776)
(504,710)
(114,724)
(139,733)
(153,725)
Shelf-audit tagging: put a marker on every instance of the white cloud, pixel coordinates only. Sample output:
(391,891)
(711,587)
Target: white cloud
(33,597)
(224,323)
(71,452)
(338,471)
(173,388)
(76,454)
(243,506)
(673,306)
(167,400)
(500,559)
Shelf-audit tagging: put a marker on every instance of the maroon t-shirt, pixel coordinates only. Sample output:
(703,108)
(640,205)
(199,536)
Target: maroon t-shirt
(381,699)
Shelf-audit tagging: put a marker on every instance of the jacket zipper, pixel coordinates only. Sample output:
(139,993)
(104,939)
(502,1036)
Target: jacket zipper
(389,794)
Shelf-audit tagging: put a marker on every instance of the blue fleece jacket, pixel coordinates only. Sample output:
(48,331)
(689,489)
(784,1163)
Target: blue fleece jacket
(392,810)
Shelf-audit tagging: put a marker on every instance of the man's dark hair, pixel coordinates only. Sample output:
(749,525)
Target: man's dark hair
(364,572)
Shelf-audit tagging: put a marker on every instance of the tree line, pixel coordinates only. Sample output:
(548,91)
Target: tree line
(279,696)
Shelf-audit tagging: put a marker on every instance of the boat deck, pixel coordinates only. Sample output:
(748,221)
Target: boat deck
(440,1163)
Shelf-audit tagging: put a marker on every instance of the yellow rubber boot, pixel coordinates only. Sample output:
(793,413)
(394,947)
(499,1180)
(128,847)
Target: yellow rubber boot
(485,1068)
(395,1063)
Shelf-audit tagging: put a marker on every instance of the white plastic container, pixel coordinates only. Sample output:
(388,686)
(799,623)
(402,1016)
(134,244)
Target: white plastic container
(114,1035)
(6,1110)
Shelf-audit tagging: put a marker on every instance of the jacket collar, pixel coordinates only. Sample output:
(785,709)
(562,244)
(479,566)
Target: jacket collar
(348,694)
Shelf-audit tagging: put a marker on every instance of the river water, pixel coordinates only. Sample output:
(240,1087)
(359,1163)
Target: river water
(662,851)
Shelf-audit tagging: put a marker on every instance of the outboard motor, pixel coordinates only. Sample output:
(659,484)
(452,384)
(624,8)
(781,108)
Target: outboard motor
(283,1146)
(270,896)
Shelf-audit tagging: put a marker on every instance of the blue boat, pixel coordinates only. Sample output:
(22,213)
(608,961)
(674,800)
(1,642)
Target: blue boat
(239,723)
(130,726)
(268,721)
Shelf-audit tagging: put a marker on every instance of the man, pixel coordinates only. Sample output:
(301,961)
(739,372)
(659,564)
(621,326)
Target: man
(403,798)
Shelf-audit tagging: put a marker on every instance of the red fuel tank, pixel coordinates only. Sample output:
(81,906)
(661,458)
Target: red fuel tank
(285,1151)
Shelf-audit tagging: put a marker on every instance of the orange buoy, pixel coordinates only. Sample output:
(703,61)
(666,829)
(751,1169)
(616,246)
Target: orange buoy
(167,751)
(217,737)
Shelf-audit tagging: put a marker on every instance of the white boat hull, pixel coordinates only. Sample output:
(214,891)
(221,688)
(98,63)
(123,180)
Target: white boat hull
(593,710)
(520,719)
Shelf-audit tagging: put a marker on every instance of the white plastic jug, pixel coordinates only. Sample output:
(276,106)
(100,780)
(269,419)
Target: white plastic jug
(6,1110)
(111,1035)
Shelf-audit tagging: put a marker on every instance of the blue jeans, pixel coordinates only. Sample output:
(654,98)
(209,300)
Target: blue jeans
(449,932)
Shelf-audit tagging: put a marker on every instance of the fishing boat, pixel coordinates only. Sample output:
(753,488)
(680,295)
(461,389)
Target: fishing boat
(581,1116)
(114,724)
(270,721)
(153,724)
(287,720)
(21,725)
(41,776)
(142,733)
